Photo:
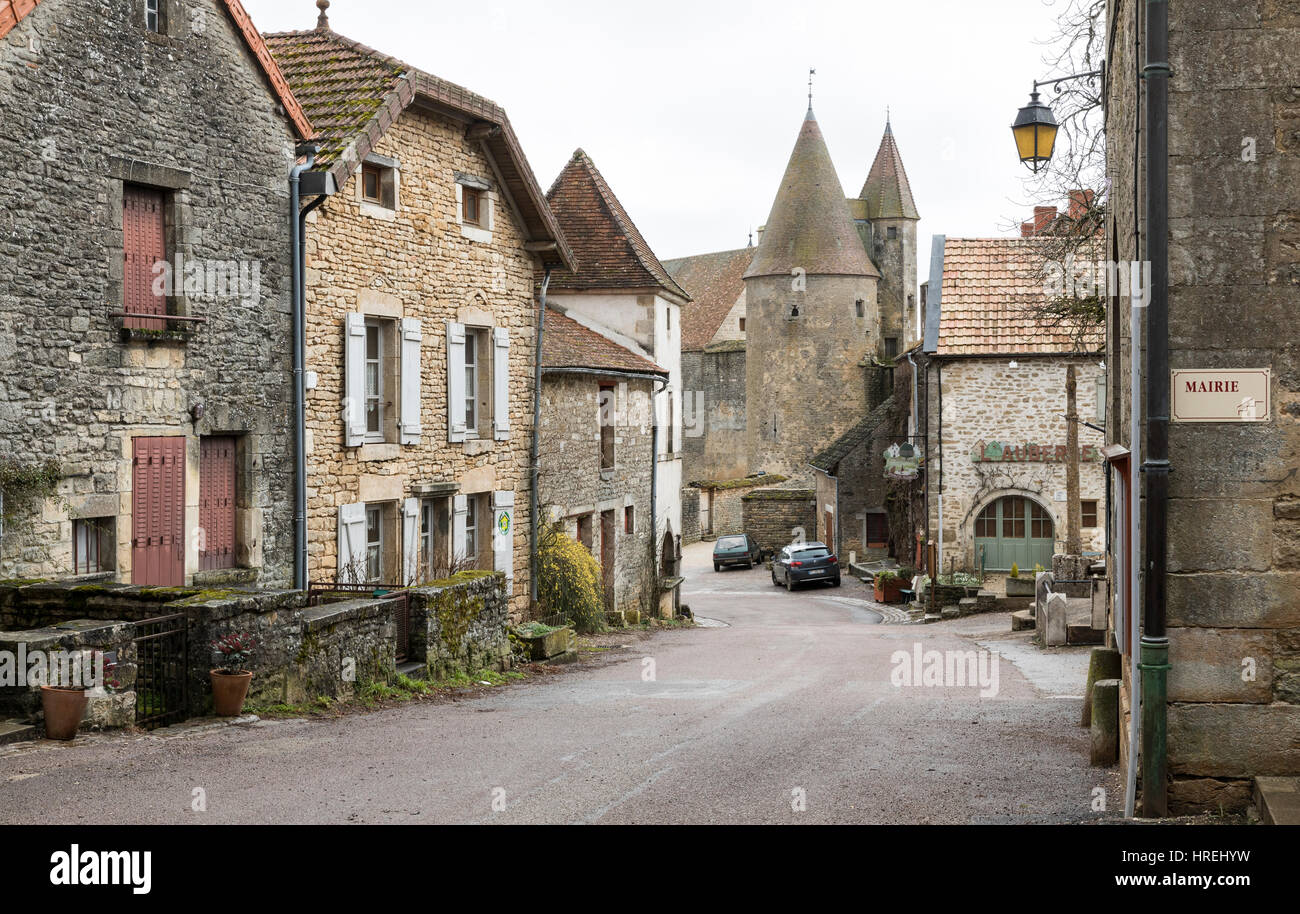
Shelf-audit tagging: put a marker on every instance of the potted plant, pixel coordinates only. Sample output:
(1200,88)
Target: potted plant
(887,587)
(230,680)
(1018,586)
(64,704)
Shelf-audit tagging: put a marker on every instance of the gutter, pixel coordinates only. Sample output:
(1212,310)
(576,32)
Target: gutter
(535,458)
(1155,468)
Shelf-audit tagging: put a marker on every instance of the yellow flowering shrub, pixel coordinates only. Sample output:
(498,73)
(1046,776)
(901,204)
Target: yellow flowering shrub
(568,580)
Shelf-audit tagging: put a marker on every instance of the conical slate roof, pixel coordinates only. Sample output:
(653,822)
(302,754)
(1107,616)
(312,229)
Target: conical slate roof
(887,192)
(810,227)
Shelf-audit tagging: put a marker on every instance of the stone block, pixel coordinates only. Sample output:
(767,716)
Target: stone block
(1209,664)
(1054,629)
(1104,743)
(1213,796)
(1266,600)
(1233,740)
(1103,663)
(1193,547)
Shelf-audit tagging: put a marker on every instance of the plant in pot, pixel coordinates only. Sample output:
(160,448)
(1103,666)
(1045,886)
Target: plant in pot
(887,587)
(1018,586)
(230,680)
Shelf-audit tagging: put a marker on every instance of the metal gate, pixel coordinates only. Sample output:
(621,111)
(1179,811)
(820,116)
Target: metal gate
(398,596)
(162,666)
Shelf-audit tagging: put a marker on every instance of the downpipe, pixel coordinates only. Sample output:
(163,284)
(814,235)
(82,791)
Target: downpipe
(534,463)
(297,256)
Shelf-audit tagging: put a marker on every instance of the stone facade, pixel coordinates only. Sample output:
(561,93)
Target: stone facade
(413,263)
(1234,521)
(778,517)
(194,120)
(713,399)
(595,502)
(987,400)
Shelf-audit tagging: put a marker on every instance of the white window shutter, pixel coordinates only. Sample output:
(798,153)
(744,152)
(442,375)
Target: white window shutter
(410,541)
(352,543)
(354,380)
(455,382)
(459,514)
(410,406)
(501,383)
(503,536)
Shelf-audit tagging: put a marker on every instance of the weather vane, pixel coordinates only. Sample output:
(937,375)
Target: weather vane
(811,73)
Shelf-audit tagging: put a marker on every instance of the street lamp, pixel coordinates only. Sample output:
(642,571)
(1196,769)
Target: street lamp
(1035,126)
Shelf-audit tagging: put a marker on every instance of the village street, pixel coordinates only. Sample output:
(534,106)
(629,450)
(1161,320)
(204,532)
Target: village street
(787,705)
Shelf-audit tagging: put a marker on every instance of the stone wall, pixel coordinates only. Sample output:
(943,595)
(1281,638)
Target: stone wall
(778,517)
(690,515)
(415,262)
(713,419)
(721,503)
(79,640)
(572,483)
(1234,508)
(461,626)
(192,115)
(987,400)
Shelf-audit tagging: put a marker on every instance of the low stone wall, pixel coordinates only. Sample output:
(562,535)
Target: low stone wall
(774,517)
(20,696)
(460,626)
(690,515)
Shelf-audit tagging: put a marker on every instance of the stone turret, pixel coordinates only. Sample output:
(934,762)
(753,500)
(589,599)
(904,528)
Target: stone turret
(812,316)
(887,218)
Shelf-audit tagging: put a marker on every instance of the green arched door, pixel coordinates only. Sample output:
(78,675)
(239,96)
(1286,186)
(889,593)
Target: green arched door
(1014,530)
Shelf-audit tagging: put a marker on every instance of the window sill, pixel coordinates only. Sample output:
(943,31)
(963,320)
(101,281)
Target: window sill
(475,233)
(607,473)
(378,211)
(476,446)
(377,451)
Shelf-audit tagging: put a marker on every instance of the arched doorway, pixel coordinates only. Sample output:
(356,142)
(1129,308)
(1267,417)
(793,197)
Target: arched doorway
(1014,530)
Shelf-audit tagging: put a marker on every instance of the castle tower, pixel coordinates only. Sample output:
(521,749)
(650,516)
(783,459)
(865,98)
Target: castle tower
(886,216)
(812,316)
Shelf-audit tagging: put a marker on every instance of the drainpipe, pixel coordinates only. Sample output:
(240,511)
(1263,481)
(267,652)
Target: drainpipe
(297,256)
(1155,469)
(535,458)
(938,367)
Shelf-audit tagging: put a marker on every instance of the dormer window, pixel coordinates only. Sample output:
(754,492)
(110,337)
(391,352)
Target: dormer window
(155,16)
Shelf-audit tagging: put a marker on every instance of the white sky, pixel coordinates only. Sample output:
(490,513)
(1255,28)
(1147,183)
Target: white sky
(690,108)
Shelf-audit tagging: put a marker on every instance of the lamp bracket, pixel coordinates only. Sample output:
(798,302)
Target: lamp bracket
(1090,75)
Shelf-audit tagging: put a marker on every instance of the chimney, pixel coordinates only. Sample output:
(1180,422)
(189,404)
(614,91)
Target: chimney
(1080,201)
(1044,216)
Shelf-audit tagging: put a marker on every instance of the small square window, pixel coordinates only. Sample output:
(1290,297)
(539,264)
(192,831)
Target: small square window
(1088,514)
(584,531)
(742,325)
(471,205)
(891,347)
(379,185)
(860,308)
(92,545)
(891,233)
(629,519)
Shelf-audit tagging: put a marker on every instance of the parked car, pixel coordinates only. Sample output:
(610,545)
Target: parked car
(805,563)
(736,549)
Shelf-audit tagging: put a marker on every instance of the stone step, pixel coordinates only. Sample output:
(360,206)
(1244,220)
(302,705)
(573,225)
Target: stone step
(1278,800)
(16,731)
(413,669)
(950,612)
(1022,620)
(1084,633)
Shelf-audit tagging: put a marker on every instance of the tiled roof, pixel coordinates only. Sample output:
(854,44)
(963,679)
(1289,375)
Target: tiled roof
(611,252)
(13,11)
(354,93)
(830,458)
(810,227)
(989,286)
(568,344)
(715,282)
(887,191)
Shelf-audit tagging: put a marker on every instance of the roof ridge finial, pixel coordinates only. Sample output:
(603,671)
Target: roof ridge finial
(811,73)
(323,20)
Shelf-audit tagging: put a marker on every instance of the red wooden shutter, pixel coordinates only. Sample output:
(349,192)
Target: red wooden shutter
(217,502)
(158,512)
(144,244)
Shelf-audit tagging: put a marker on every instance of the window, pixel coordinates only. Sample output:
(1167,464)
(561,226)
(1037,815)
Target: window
(426,535)
(584,531)
(891,347)
(629,519)
(742,325)
(859,308)
(471,206)
(1040,523)
(1013,518)
(92,545)
(374,381)
(670,445)
(987,522)
(891,233)
(144,243)
(370,182)
(668,313)
(1089,514)
(472,338)
(374,544)
(377,185)
(155,16)
(605,415)
(472,517)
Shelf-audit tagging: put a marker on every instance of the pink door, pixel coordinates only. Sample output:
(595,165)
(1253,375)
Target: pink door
(217,502)
(158,512)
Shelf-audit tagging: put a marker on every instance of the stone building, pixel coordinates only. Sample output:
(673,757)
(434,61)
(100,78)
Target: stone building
(1233,542)
(622,290)
(802,317)
(144,298)
(420,321)
(598,456)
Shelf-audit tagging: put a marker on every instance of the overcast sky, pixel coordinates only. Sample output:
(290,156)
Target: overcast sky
(690,108)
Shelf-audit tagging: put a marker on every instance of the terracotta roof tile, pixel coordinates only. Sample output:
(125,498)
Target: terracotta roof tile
(989,286)
(715,282)
(569,344)
(611,252)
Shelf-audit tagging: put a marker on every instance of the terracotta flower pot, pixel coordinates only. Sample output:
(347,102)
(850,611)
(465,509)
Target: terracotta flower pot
(64,710)
(229,691)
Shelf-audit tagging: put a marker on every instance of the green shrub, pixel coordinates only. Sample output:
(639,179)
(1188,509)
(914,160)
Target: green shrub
(1015,570)
(568,581)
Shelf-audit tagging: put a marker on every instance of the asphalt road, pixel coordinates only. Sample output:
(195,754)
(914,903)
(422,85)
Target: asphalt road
(783,713)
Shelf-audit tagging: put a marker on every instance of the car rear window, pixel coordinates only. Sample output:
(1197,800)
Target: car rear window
(805,554)
(731,542)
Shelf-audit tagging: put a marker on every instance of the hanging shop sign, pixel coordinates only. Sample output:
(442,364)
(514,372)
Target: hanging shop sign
(1000,452)
(902,461)
(1221,394)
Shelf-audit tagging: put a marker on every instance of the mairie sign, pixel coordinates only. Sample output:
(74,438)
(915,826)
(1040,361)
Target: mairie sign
(1000,452)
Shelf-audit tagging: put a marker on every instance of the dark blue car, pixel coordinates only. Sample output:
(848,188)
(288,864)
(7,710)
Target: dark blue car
(805,563)
(736,549)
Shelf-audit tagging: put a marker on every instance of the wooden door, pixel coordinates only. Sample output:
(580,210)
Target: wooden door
(158,512)
(877,530)
(607,556)
(217,502)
